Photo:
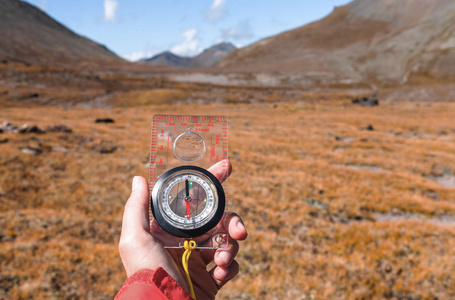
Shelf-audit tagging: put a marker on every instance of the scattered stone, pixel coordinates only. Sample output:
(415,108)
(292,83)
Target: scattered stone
(8,127)
(59,128)
(362,167)
(30,129)
(431,194)
(369,128)
(30,150)
(34,95)
(59,149)
(366,101)
(104,120)
(4,140)
(316,203)
(347,139)
(107,149)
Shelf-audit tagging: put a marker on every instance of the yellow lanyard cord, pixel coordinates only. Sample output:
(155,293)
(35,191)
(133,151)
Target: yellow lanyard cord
(189,246)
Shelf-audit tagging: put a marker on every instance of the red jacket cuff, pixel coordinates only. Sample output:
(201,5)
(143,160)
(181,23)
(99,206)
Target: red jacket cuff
(149,284)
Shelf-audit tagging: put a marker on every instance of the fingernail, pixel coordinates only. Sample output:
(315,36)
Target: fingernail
(221,273)
(225,257)
(135,182)
(241,226)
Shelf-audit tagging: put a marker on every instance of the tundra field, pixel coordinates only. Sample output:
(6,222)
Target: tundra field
(340,200)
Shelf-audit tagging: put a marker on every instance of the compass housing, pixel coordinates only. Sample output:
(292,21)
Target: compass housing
(200,223)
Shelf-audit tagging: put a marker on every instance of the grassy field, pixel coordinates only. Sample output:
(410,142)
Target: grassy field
(341,201)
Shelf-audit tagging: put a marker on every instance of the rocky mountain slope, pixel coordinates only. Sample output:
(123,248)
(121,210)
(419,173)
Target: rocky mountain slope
(375,41)
(29,35)
(206,58)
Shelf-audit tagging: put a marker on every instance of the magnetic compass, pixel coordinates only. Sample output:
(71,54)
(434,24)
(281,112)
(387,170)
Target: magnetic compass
(188,201)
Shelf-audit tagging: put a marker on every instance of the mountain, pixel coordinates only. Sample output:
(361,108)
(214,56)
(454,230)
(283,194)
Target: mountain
(167,58)
(206,58)
(212,55)
(29,35)
(374,41)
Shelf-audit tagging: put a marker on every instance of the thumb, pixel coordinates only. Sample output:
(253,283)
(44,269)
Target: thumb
(136,214)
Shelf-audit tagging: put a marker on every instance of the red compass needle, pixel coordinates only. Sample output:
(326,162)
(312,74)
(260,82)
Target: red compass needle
(188,209)
(187,198)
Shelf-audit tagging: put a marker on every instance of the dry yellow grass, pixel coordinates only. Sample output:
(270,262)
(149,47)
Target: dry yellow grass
(308,181)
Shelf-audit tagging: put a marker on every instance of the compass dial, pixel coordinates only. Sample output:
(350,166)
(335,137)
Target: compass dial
(188,201)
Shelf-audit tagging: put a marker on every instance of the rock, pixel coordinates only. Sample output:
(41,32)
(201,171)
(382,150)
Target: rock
(316,203)
(59,128)
(30,129)
(8,127)
(34,95)
(30,150)
(107,149)
(366,101)
(104,120)
(59,149)
(4,140)
(369,128)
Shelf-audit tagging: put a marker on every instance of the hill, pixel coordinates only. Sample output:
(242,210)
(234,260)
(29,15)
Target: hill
(206,58)
(29,35)
(376,41)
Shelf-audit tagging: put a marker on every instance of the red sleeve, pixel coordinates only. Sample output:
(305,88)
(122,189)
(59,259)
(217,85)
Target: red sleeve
(149,284)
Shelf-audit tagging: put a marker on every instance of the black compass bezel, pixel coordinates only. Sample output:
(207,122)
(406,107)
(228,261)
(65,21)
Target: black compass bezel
(188,233)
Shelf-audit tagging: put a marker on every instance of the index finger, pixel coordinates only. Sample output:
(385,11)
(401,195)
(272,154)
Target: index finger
(221,170)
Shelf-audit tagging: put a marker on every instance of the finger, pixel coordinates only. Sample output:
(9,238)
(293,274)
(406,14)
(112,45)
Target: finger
(136,213)
(223,275)
(224,257)
(221,170)
(236,229)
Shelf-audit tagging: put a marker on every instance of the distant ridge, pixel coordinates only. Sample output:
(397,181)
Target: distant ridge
(29,35)
(206,58)
(376,41)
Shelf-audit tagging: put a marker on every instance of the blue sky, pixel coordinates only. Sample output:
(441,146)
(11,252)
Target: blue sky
(136,29)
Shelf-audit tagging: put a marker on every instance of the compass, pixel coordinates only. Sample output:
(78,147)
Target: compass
(188,201)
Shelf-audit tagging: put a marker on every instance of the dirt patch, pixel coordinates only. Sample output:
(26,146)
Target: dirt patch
(403,216)
(362,167)
(446,180)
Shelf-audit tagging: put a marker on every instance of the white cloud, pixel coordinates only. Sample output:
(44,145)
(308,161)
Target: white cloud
(135,56)
(241,31)
(138,55)
(216,11)
(110,9)
(190,45)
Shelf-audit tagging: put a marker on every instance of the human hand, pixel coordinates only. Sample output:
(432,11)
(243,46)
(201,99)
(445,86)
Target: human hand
(140,249)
